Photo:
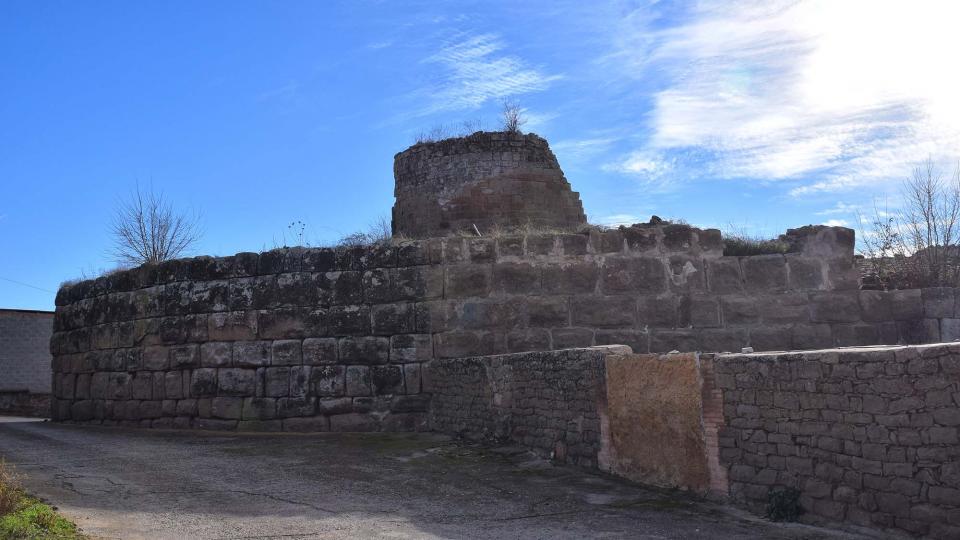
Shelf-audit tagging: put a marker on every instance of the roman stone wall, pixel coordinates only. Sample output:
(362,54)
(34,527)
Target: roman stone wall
(867,436)
(338,336)
(487,180)
(25,361)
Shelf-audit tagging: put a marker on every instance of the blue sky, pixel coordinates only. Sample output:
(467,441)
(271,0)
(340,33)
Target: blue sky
(757,115)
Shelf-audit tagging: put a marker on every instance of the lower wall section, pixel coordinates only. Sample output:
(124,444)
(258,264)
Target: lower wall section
(24,404)
(867,436)
(635,415)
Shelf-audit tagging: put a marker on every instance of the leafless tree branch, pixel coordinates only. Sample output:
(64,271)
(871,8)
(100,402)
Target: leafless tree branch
(147,230)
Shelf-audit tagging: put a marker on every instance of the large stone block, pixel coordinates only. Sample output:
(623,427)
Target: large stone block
(570,278)
(461,344)
(404,318)
(230,408)
(535,339)
(603,311)
(835,307)
(637,340)
(252,353)
(184,356)
(364,350)
(491,314)
(348,320)
(286,352)
(790,307)
(319,351)
(804,273)
(659,311)
(387,379)
(276,381)
(569,338)
(411,348)
(875,306)
(764,272)
(236,381)
(255,408)
(296,406)
(740,309)
(644,275)
(545,311)
(327,381)
(203,382)
(299,381)
(699,311)
(465,281)
(938,302)
(216,354)
(292,323)
(663,341)
(358,381)
(906,305)
(516,278)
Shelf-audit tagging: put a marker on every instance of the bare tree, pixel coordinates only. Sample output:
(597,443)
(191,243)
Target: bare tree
(512,116)
(917,245)
(147,230)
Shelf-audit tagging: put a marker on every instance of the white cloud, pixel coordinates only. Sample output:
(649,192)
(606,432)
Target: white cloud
(576,149)
(836,222)
(644,164)
(476,71)
(840,208)
(851,92)
(615,220)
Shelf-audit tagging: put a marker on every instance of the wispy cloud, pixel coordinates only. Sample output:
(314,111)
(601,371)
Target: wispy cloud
(476,70)
(836,222)
(807,91)
(615,220)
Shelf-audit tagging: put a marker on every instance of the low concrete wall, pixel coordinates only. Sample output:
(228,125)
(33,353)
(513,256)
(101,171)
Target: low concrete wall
(25,361)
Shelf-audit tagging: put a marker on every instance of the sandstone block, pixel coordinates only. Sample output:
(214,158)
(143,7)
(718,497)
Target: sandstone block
(319,351)
(764,272)
(251,353)
(286,352)
(364,350)
(465,281)
(604,312)
(644,275)
(216,354)
(834,307)
(570,278)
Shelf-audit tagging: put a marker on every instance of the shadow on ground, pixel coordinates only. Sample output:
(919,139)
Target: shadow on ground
(123,483)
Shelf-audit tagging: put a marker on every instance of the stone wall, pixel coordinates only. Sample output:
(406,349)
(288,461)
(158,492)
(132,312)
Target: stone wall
(487,180)
(339,335)
(25,361)
(551,402)
(868,436)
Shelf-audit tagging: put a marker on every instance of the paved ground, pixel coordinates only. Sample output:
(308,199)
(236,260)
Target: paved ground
(119,483)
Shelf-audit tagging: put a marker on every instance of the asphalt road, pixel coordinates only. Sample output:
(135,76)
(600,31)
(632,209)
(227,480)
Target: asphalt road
(128,483)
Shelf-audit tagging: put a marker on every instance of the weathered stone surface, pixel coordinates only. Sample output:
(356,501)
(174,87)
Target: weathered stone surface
(645,275)
(236,382)
(252,353)
(603,312)
(286,352)
(358,381)
(364,350)
(764,272)
(319,351)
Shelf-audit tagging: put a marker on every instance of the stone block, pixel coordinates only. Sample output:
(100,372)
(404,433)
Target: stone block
(405,318)
(938,302)
(804,273)
(950,329)
(917,331)
(640,239)
(299,380)
(685,274)
(252,353)
(348,320)
(537,339)
(784,308)
(342,288)
(334,405)
(236,382)
(276,381)
(465,281)
(461,344)
(173,385)
(255,408)
(875,306)
(411,378)
(608,241)
(358,381)
(183,329)
(216,354)
(739,310)
(849,335)
(516,278)
(184,407)
(411,348)
(833,307)
(812,336)
(327,381)
(659,311)
(364,350)
(570,278)
(286,352)
(603,311)
(229,408)
(319,351)
(906,304)
(491,314)
(568,338)
(764,272)
(184,356)
(296,406)
(771,338)
(698,311)
(387,379)
(203,382)
(542,245)
(543,311)
(291,323)
(644,275)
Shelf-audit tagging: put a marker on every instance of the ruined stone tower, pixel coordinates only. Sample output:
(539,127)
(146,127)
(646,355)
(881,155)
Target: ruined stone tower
(485,179)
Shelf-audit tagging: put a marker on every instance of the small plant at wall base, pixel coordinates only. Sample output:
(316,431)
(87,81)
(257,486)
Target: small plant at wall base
(28,518)
(147,230)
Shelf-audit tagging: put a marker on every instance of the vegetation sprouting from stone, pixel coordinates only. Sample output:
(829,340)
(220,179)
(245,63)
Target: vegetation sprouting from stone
(739,243)
(148,230)
(378,232)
